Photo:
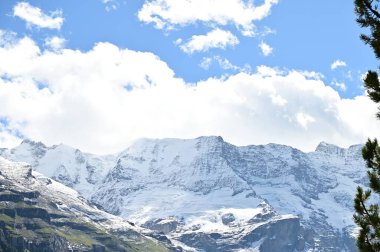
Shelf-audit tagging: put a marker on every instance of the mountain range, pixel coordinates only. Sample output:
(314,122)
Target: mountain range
(205,194)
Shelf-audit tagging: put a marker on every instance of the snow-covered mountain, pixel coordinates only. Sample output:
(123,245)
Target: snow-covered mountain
(81,171)
(40,214)
(214,196)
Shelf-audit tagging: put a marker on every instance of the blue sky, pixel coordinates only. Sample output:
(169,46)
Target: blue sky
(307,35)
(197,47)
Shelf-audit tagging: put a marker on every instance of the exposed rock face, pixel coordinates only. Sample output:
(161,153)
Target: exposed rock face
(38,214)
(214,196)
(163,225)
(275,235)
(8,242)
(282,235)
(228,218)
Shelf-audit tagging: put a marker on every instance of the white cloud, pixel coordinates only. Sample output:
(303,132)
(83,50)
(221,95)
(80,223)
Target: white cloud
(312,74)
(265,49)
(7,37)
(304,119)
(216,38)
(168,14)
(111,5)
(341,85)
(102,99)
(267,71)
(226,64)
(265,32)
(7,137)
(178,41)
(34,16)
(278,100)
(55,43)
(223,63)
(206,63)
(338,63)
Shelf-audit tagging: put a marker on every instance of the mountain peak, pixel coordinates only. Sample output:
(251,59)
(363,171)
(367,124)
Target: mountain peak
(32,143)
(211,138)
(329,148)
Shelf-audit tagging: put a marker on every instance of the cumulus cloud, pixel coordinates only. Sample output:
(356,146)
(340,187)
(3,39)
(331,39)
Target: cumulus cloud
(216,38)
(223,63)
(338,63)
(341,85)
(265,49)
(205,63)
(304,119)
(55,43)
(7,137)
(102,99)
(168,14)
(34,16)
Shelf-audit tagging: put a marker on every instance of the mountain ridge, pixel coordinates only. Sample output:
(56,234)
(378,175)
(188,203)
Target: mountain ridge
(187,183)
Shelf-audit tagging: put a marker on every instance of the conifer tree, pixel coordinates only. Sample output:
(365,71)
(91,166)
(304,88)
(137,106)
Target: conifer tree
(367,214)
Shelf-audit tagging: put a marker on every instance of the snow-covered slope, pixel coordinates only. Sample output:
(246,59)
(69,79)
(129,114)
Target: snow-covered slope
(212,195)
(40,214)
(81,171)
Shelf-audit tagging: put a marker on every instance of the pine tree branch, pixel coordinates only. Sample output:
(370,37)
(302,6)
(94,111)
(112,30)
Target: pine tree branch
(369,7)
(368,215)
(365,210)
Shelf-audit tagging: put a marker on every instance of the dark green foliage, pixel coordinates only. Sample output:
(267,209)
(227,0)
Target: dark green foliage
(367,214)
(369,17)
